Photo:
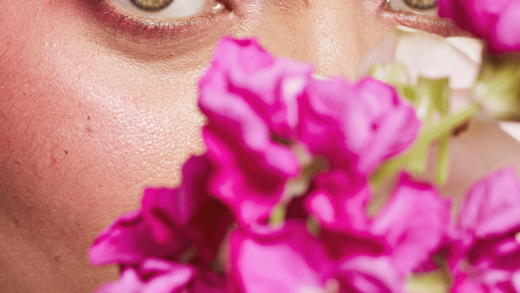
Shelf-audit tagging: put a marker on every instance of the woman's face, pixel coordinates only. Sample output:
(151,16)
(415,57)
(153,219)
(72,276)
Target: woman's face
(97,103)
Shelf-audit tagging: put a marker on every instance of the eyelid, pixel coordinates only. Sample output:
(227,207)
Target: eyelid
(142,29)
(177,9)
(431,24)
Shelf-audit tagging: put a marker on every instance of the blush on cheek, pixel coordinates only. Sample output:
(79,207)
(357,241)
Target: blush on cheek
(77,148)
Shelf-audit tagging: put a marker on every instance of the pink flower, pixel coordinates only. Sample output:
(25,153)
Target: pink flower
(129,241)
(159,276)
(169,224)
(338,201)
(270,86)
(286,260)
(337,198)
(494,20)
(293,261)
(249,97)
(414,222)
(152,276)
(355,126)
(364,274)
(487,253)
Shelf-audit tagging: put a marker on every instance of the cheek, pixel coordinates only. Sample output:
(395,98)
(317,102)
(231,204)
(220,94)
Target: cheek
(62,125)
(80,140)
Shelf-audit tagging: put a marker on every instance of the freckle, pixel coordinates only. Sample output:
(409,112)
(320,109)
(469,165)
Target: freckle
(89,117)
(17,162)
(57,258)
(77,224)
(66,152)
(8,142)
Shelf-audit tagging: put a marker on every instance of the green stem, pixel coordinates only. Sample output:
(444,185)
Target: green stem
(443,160)
(430,134)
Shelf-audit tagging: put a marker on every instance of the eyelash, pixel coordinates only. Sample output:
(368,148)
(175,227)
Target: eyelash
(143,29)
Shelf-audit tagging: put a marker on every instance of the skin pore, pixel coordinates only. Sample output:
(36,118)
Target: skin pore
(95,107)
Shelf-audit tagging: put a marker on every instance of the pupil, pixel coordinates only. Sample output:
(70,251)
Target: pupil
(421,4)
(152,5)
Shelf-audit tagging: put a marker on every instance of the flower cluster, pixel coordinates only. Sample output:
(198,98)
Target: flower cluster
(279,201)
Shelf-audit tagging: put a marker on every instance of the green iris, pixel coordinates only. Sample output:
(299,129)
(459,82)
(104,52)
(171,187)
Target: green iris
(421,4)
(152,5)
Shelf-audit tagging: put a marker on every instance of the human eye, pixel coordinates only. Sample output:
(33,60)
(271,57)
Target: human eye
(423,7)
(167,9)
(160,20)
(419,14)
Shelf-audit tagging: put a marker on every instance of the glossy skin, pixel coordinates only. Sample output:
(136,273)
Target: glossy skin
(90,115)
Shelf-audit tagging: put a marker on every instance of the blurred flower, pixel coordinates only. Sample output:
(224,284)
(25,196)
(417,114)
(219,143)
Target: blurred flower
(249,97)
(284,260)
(129,241)
(340,199)
(260,109)
(183,225)
(355,126)
(414,222)
(485,256)
(152,276)
(292,260)
(409,229)
(159,276)
(494,20)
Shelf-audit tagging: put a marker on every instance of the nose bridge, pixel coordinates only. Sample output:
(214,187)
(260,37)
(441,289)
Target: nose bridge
(332,34)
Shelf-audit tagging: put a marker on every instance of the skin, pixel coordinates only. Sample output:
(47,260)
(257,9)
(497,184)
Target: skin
(89,118)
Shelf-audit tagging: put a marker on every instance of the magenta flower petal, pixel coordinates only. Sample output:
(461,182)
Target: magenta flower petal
(270,86)
(487,253)
(129,241)
(188,212)
(166,210)
(153,276)
(463,284)
(356,126)
(250,168)
(364,274)
(170,222)
(159,276)
(494,20)
(286,260)
(338,198)
(492,206)
(505,37)
(343,242)
(209,282)
(414,222)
